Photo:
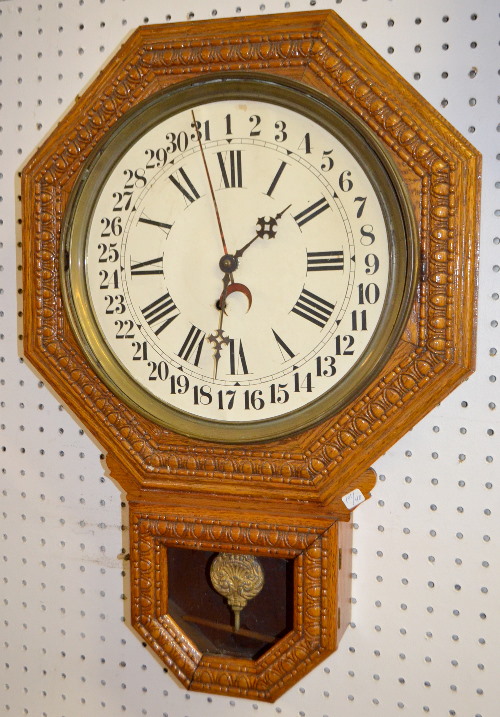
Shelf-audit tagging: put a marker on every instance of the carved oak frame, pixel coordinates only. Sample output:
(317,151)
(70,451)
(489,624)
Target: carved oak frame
(321,565)
(304,477)
(440,170)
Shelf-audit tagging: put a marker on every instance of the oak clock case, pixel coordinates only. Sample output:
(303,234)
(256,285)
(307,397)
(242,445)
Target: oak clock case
(239,258)
(245,326)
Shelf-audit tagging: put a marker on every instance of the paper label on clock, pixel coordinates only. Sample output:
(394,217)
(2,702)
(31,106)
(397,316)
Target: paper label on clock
(352,499)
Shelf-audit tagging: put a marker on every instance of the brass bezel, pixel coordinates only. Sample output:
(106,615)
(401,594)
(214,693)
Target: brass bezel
(396,206)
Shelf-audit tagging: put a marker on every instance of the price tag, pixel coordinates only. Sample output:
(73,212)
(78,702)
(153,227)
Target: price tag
(354,498)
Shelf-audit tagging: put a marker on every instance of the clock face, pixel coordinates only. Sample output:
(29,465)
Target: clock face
(239,259)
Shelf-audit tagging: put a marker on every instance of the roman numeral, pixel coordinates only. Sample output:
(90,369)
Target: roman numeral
(313,308)
(231,170)
(147,268)
(325,261)
(236,358)
(312,211)
(157,310)
(193,343)
(184,185)
(286,352)
(154,223)
(276,179)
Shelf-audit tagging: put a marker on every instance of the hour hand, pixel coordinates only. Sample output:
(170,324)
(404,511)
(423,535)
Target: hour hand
(266,229)
(218,339)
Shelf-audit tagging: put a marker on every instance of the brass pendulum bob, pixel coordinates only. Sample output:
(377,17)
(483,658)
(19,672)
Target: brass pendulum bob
(238,578)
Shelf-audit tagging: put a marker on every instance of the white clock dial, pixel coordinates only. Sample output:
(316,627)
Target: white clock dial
(238,263)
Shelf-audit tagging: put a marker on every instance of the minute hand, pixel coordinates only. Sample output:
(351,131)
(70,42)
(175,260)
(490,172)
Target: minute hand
(267,227)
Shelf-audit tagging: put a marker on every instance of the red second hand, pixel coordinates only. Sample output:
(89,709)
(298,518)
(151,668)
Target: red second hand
(210,185)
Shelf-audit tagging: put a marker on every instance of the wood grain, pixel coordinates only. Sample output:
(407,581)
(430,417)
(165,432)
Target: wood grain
(317,595)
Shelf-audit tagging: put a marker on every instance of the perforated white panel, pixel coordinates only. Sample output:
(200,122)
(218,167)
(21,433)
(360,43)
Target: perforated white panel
(425,634)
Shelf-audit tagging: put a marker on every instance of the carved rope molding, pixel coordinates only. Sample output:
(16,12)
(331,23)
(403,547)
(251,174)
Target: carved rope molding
(147,443)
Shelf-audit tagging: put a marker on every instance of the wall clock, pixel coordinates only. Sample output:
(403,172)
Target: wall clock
(241,258)
(244,249)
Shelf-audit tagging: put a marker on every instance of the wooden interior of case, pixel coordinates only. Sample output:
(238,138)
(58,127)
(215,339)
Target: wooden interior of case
(207,619)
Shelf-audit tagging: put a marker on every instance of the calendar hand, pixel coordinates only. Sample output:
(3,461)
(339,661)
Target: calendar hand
(212,193)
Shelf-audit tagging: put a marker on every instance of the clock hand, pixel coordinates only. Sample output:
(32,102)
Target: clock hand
(267,227)
(217,339)
(219,223)
(242,289)
(228,264)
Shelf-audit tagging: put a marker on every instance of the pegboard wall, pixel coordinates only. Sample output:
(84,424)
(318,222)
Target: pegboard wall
(425,631)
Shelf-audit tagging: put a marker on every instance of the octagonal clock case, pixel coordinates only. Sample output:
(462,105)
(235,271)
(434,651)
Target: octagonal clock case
(243,248)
